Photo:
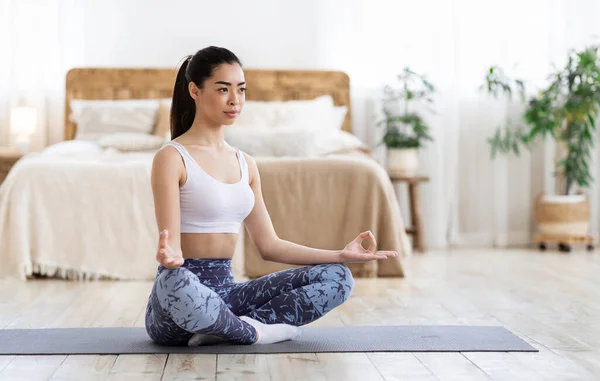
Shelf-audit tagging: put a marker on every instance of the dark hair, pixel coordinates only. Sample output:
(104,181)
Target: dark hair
(197,69)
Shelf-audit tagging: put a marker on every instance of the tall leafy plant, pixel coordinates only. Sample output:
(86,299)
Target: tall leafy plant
(566,110)
(508,138)
(404,127)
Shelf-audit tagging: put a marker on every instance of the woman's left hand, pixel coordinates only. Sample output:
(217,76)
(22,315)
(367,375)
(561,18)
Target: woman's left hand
(355,252)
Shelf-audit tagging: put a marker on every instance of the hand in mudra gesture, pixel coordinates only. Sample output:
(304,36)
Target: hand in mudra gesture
(166,256)
(355,252)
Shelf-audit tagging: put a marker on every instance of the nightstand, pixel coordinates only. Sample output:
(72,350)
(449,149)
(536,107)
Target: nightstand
(416,215)
(8,158)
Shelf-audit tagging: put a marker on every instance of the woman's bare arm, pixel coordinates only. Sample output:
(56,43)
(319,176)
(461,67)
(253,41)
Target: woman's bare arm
(167,173)
(269,245)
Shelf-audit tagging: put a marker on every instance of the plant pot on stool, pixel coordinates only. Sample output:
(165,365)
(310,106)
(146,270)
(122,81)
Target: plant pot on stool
(403,161)
(406,130)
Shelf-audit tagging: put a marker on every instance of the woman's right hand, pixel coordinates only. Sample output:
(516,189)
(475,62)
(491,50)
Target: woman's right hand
(166,256)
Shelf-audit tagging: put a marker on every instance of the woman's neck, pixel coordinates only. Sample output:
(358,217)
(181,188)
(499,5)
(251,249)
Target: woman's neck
(205,134)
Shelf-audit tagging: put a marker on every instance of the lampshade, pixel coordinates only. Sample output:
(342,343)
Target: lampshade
(23,120)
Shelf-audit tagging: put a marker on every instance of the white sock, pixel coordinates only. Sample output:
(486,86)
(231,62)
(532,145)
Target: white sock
(272,333)
(203,339)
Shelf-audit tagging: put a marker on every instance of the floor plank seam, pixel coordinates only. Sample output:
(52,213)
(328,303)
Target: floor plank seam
(489,376)
(424,365)
(58,367)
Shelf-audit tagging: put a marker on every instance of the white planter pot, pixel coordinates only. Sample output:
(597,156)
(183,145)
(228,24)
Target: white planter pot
(402,161)
(562,198)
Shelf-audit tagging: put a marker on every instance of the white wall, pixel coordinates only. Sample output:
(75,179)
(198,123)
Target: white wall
(265,33)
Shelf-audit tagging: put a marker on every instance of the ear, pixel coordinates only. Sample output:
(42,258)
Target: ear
(194,90)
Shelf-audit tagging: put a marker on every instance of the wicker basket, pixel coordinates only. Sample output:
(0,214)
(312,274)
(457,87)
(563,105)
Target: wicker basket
(557,217)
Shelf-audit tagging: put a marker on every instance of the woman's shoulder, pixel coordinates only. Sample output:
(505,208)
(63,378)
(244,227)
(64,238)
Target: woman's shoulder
(167,155)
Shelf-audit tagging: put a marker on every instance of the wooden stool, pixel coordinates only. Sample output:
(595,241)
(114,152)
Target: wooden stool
(416,215)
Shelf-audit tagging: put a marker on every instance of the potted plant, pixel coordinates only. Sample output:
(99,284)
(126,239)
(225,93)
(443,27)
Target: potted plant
(405,130)
(566,110)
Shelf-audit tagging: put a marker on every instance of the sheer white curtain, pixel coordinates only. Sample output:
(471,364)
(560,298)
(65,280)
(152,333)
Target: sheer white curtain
(471,200)
(39,41)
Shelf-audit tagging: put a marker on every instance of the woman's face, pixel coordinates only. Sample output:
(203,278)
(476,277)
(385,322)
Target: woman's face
(222,95)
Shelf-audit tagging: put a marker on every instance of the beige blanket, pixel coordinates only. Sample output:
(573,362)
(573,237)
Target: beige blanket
(79,217)
(325,203)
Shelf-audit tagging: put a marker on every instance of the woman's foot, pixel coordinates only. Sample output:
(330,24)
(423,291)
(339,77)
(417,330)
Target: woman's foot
(201,339)
(272,333)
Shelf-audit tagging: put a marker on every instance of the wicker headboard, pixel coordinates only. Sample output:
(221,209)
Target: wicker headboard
(263,85)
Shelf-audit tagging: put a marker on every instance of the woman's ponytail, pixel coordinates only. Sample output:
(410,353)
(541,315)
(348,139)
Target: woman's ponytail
(183,108)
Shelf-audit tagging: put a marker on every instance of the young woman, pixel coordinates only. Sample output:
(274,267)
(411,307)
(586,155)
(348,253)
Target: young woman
(204,189)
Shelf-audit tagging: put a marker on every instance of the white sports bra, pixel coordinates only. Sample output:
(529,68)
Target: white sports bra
(208,205)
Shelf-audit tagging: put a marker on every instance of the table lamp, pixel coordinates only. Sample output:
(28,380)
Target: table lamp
(23,123)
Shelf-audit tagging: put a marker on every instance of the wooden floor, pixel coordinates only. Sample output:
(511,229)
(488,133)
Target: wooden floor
(551,300)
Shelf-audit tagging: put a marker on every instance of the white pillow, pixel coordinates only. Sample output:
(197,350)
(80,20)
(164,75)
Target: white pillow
(338,115)
(130,141)
(313,143)
(291,141)
(250,139)
(72,148)
(96,118)
(273,113)
(327,142)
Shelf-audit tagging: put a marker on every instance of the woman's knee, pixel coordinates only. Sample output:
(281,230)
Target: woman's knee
(337,274)
(186,299)
(171,282)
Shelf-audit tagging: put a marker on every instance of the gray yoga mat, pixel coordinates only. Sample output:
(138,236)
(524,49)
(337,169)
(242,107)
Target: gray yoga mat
(410,338)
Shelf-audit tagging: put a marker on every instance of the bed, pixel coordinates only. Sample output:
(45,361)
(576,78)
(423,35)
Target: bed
(89,213)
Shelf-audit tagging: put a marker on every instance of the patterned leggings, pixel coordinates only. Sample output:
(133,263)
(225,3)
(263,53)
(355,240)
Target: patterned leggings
(202,296)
